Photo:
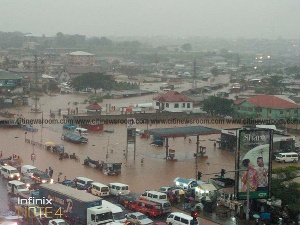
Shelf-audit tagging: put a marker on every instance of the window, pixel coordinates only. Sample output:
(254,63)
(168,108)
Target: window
(176,105)
(167,105)
(183,105)
(295,111)
(188,105)
(281,112)
(177,218)
(185,221)
(157,104)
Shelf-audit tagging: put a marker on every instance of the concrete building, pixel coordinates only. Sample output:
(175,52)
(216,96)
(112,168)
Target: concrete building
(80,58)
(267,106)
(173,101)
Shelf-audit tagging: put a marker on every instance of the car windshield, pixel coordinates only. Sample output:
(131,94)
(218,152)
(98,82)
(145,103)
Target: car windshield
(119,216)
(22,186)
(14,171)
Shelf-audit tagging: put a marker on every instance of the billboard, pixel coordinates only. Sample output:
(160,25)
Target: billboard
(253,163)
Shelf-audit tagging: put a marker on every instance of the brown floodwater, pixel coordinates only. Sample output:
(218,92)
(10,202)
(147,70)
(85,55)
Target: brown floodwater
(152,174)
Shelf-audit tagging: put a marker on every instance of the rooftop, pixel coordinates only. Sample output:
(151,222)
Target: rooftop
(82,53)
(270,101)
(173,96)
(182,131)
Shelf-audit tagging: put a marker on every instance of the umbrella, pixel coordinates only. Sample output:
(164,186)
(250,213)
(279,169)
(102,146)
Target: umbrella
(50,143)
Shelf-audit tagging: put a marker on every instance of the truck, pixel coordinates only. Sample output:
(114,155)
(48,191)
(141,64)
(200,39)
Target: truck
(79,206)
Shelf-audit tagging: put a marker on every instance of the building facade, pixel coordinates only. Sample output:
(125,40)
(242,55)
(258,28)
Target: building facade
(173,101)
(268,107)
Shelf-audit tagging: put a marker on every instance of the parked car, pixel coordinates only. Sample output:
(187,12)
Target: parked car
(41,177)
(142,218)
(165,189)
(69,127)
(15,164)
(30,183)
(125,200)
(57,222)
(29,128)
(69,183)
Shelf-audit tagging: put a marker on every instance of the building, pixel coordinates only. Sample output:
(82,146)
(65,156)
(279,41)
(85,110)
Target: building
(9,80)
(267,107)
(80,58)
(173,101)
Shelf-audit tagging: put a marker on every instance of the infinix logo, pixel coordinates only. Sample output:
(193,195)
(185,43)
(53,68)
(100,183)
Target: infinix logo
(36,201)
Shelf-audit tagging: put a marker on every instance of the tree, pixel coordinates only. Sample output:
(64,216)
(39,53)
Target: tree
(284,187)
(93,80)
(217,106)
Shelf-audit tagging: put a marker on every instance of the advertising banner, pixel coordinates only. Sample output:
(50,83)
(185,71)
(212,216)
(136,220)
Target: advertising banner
(253,163)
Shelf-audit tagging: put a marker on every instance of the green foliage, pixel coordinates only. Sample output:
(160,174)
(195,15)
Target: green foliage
(93,80)
(217,106)
(283,187)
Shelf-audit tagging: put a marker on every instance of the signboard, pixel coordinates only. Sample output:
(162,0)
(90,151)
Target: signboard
(253,163)
(131,134)
(131,122)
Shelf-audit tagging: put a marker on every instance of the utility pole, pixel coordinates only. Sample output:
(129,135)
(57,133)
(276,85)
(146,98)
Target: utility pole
(194,75)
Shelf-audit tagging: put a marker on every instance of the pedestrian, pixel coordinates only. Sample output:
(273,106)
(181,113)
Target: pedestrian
(50,172)
(46,171)
(58,176)
(1,154)
(142,161)
(65,178)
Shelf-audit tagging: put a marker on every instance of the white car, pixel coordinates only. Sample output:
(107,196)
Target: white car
(142,218)
(57,222)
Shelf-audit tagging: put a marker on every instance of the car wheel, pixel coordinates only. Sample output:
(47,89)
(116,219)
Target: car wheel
(169,223)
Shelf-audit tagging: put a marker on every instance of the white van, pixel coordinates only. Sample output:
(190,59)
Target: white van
(165,205)
(99,189)
(158,197)
(28,170)
(117,212)
(83,183)
(118,189)
(149,195)
(81,131)
(287,157)
(10,173)
(14,187)
(177,218)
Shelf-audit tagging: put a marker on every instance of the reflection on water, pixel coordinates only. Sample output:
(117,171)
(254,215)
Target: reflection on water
(152,174)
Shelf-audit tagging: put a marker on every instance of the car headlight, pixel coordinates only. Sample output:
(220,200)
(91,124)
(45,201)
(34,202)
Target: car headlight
(51,181)
(44,181)
(11,175)
(28,185)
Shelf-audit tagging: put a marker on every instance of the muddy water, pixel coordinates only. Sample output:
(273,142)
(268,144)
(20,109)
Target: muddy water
(152,174)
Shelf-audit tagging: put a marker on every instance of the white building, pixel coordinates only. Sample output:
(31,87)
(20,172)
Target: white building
(173,101)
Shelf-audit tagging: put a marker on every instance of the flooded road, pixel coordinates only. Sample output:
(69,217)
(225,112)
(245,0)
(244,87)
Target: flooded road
(152,174)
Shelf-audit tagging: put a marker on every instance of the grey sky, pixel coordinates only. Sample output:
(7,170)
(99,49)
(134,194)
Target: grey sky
(181,18)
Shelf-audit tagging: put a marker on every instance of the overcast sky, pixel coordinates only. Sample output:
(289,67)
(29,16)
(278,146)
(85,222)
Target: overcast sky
(180,18)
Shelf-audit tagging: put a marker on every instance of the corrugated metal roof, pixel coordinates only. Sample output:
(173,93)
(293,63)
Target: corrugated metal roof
(182,131)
